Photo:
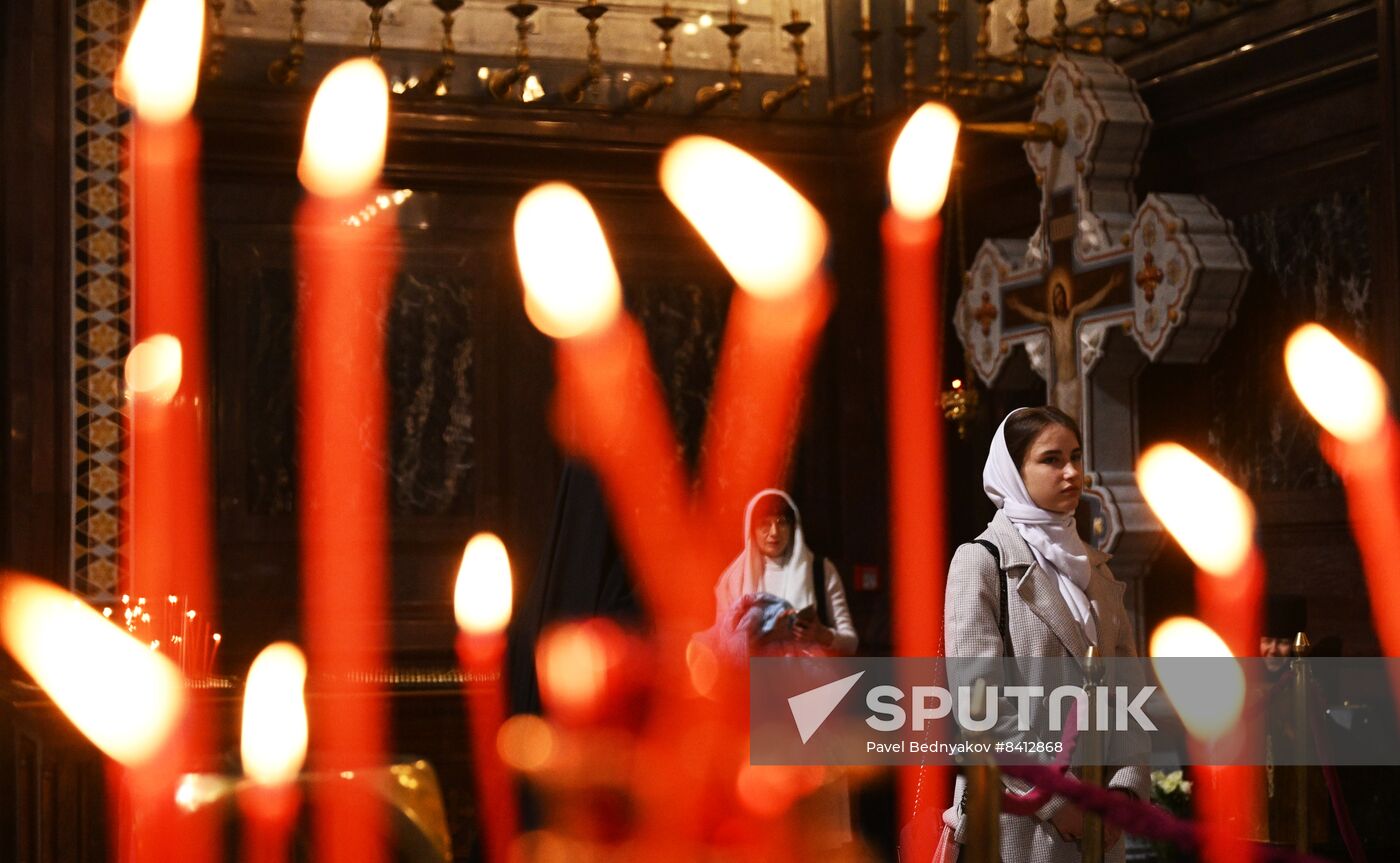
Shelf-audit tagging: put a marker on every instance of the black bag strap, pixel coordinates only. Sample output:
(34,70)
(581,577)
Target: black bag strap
(819,596)
(1003,611)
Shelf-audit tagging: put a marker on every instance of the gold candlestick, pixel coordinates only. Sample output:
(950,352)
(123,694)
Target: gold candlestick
(591,11)
(983,796)
(437,80)
(214,56)
(376,15)
(640,94)
(500,82)
(773,100)
(865,96)
(286,70)
(711,95)
(1301,648)
(910,33)
(1091,743)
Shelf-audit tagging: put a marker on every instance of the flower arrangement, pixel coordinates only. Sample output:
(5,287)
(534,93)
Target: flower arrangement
(1173,793)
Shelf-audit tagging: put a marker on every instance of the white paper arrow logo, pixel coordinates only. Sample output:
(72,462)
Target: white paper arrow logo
(811,708)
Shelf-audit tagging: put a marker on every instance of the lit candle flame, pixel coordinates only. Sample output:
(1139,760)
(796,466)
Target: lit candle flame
(154,368)
(274,715)
(1207,514)
(571,285)
(343,151)
(1207,696)
(122,696)
(766,234)
(1343,392)
(160,70)
(922,162)
(482,599)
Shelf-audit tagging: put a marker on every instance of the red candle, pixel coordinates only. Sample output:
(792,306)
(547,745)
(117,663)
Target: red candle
(127,699)
(274,749)
(346,258)
(920,165)
(1225,794)
(1347,396)
(482,601)
(608,406)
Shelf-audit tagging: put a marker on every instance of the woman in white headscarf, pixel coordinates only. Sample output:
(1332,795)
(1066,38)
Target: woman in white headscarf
(778,597)
(1029,586)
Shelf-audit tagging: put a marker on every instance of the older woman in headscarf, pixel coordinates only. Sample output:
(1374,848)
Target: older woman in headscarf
(778,597)
(1030,587)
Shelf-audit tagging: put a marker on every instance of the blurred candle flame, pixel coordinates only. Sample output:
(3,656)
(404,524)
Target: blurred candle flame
(343,151)
(922,162)
(482,598)
(573,665)
(274,715)
(1207,696)
(769,237)
(123,696)
(154,368)
(160,71)
(1342,391)
(1207,514)
(571,285)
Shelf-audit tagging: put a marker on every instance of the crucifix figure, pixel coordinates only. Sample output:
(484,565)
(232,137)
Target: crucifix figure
(1060,309)
(1102,287)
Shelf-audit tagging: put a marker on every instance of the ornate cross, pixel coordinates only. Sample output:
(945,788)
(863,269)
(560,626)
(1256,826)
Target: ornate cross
(1103,286)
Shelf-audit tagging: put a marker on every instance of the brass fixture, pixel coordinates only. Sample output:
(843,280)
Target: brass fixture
(711,95)
(773,100)
(864,98)
(640,94)
(286,70)
(910,32)
(591,11)
(376,15)
(214,57)
(501,81)
(959,403)
(1055,133)
(438,80)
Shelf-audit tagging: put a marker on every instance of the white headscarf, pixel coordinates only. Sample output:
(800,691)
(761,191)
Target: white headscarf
(1052,536)
(752,571)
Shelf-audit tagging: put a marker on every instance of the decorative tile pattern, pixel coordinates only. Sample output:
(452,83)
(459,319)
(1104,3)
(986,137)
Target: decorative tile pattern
(101,290)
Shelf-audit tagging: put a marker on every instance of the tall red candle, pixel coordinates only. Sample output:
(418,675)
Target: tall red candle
(771,240)
(346,259)
(167,506)
(1347,396)
(482,601)
(911,231)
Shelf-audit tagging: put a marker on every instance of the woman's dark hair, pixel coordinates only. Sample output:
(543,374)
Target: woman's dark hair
(771,505)
(1026,425)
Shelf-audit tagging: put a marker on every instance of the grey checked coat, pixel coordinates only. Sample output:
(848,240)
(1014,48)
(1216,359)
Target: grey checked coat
(1040,624)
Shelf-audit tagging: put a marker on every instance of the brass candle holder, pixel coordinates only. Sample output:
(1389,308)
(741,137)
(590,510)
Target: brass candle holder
(959,403)
(573,92)
(711,95)
(983,796)
(773,100)
(640,94)
(376,15)
(1091,744)
(286,70)
(436,81)
(1055,133)
(910,32)
(864,98)
(1301,649)
(214,56)
(501,81)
